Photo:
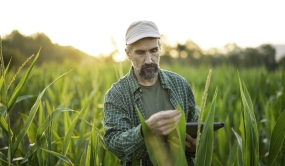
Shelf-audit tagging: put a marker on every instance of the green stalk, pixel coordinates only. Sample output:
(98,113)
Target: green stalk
(204,99)
(2,80)
(49,142)
(5,102)
(9,143)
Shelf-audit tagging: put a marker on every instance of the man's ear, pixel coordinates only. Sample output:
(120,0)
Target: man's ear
(128,54)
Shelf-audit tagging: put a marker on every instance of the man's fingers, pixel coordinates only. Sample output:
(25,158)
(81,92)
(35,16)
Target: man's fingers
(190,143)
(164,122)
(188,137)
(168,114)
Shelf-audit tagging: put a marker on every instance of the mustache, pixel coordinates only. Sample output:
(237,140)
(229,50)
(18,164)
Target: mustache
(144,66)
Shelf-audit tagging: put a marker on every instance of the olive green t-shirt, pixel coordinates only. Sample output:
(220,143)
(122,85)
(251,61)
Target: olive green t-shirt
(155,99)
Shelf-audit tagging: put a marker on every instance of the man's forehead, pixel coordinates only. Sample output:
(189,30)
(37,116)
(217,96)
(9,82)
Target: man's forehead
(144,48)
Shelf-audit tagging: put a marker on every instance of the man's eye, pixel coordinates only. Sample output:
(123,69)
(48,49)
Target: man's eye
(154,50)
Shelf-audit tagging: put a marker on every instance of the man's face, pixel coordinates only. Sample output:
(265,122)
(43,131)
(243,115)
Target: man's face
(144,55)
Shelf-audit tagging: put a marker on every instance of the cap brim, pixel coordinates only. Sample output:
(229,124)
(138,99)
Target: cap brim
(154,35)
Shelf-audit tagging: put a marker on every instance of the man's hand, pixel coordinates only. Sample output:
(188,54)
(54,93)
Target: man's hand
(163,122)
(190,144)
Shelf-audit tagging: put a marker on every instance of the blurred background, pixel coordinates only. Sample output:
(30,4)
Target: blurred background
(88,38)
(238,33)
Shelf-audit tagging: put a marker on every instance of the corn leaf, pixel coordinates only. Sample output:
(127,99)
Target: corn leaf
(3,76)
(42,129)
(21,98)
(60,156)
(251,142)
(3,158)
(21,84)
(4,126)
(232,156)
(31,116)
(177,139)
(32,130)
(277,139)
(205,148)
(2,81)
(3,109)
(66,122)
(134,160)
(239,153)
(69,133)
(91,149)
(154,150)
(181,127)
(177,150)
(41,115)
(50,118)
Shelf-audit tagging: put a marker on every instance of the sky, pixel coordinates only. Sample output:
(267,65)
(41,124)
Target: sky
(91,25)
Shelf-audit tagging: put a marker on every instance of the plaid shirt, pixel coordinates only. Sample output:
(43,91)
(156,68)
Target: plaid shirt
(121,121)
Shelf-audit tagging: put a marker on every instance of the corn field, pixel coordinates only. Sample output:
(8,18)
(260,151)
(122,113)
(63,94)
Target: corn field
(52,115)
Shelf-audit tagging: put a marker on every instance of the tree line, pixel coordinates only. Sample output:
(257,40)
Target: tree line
(190,53)
(20,47)
(17,48)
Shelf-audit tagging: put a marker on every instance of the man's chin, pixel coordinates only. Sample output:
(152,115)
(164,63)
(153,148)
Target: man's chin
(148,76)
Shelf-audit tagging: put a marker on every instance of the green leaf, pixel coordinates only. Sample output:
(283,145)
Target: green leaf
(42,129)
(181,127)
(69,133)
(21,84)
(41,115)
(32,132)
(4,126)
(50,118)
(232,156)
(3,158)
(91,149)
(177,139)
(250,135)
(3,109)
(239,154)
(154,150)
(31,116)
(21,98)
(205,148)
(2,80)
(134,160)
(60,156)
(277,139)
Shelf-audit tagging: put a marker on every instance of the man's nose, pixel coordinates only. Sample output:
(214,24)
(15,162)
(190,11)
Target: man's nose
(148,58)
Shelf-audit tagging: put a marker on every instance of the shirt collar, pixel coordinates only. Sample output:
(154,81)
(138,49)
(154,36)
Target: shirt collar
(163,79)
(134,85)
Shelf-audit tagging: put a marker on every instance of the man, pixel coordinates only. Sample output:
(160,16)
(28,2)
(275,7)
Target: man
(153,90)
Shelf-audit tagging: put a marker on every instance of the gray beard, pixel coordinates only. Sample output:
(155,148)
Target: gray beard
(148,73)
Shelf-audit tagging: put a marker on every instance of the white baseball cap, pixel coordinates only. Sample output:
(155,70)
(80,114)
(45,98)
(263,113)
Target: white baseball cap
(141,29)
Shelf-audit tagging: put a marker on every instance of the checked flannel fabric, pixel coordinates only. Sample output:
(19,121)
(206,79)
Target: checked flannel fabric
(121,122)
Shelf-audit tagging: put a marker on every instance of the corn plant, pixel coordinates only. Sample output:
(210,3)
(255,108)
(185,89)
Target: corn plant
(204,150)
(158,154)
(248,151)
(46,146)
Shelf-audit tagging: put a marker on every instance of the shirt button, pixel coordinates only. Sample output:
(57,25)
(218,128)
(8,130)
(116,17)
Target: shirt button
(140,90)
